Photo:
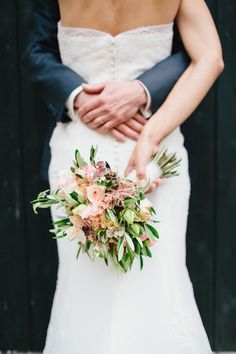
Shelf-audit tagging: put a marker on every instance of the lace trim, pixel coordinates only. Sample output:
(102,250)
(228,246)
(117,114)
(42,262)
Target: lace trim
(151,29)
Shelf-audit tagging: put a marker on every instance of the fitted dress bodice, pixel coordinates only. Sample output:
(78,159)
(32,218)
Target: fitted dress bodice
(98,56)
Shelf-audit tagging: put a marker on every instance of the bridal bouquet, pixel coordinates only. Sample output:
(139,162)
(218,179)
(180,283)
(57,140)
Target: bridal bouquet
(107,215)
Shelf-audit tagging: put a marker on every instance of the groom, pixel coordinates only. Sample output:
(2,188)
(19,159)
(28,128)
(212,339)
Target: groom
(67,96)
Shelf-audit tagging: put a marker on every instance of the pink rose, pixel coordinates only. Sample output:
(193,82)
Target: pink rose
(93,209)
(95,193)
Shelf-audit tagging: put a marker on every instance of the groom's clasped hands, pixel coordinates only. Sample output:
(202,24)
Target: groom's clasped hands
(113,108)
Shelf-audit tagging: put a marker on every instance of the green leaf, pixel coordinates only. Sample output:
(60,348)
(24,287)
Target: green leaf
(77,197)
(111,214)
(131,256)
(121,251)
(149,253)
(107,165)
(93,152)
(153,230)
(61,222)
(74,196)
(139,241)
(129,241)
(78,252)
(126,257)
(153,210)
(79,160)
(79,176)
(137,246)
(40,205)
(119,243)
(141,261)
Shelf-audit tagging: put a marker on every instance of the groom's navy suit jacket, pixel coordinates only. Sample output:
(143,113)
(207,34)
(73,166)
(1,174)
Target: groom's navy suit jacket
(54,81)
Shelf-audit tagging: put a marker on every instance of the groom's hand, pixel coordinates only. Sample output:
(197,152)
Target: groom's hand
(115,104)
(130,129)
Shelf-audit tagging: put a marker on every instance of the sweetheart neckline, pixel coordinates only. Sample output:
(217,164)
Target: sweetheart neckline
(95,31)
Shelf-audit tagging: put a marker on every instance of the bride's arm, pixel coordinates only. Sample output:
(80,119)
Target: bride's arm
(202,43)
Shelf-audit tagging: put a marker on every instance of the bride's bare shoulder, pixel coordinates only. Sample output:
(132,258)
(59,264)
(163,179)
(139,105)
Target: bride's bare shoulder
(168,8)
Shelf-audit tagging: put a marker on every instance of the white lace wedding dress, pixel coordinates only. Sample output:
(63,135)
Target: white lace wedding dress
(97,310)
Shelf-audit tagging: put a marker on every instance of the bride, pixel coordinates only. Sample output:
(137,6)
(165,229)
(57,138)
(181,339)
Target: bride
(98,310)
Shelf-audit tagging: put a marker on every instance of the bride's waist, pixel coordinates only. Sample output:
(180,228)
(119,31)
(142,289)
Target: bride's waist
(78,131)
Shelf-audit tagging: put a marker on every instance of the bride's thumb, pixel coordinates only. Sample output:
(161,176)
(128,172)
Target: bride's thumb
(94,88)
(129,167)
(141,168)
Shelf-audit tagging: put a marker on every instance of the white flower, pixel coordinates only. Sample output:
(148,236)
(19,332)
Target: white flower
(145,204)
(153,171)
(75,233)
(79,209)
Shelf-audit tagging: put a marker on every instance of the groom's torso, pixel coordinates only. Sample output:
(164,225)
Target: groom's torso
(115,16)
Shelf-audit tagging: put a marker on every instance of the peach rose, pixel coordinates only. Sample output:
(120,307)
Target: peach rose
(95,193)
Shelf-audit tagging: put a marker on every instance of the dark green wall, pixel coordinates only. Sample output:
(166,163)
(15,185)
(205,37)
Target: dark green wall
(28,259)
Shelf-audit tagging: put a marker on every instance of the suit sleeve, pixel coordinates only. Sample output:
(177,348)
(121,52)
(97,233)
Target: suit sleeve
(52,80)
(161,78)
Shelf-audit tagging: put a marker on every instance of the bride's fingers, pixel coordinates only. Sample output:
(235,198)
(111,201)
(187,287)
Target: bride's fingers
(151,187)
(140,118)
(128,132)
(130,166)
(135,125)
(117,135)
(141,165)
(158,181)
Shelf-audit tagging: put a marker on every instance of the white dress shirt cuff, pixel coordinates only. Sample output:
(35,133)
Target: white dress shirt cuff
(146,110)
(70,103)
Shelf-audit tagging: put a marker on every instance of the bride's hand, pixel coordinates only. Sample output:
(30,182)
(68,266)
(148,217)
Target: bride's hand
(130,129)
(145,148)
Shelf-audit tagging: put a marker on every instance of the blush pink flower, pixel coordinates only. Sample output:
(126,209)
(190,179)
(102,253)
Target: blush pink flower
(86,212)
(76,221)
(95,193)
(89,172)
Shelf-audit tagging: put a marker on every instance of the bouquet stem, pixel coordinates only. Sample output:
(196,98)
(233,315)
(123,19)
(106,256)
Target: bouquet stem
(168,163)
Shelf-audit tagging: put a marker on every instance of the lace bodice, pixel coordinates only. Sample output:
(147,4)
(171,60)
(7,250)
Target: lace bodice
(98,56)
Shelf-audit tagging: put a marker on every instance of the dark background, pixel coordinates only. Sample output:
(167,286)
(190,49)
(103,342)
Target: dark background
(28,258)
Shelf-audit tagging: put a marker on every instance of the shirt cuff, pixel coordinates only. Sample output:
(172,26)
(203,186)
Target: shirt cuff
(146,110)
(70,103)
